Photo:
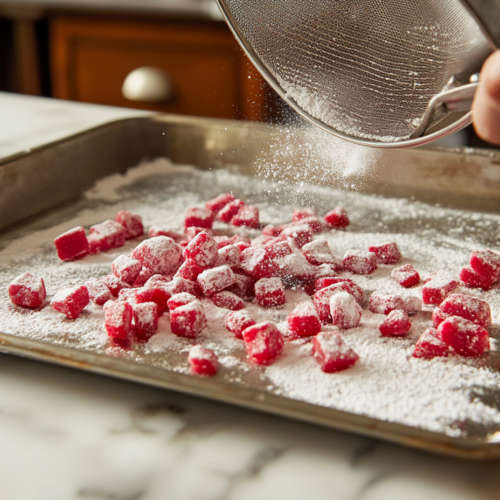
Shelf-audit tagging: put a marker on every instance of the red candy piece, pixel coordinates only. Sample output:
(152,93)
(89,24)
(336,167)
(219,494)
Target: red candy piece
(258,262)
(412,305)
(203,361)
(486,263)
(475,310)
(203,251)
(301,234)
(359,262)
(126,269)
(98,292)
(473,279)
(387,253)
(321,283)
(106,235)
(279,249)
(327,271)
(396,324)
(243,287)
(318,252)
(238,321)
(230,210)
(229,256)
(227,300)
(294,268)
(406,276)
(188,320)
(180,285)
(263,240)
(72,244)
(143,277)
(191,232)
(160,254)
(437,289)
(159,230)
(345,311)
(222,241)
(430,346)
(118,319)
(214,280)
(71,301)
(303,213)
(381,303)
(180,299)
(189,271)
(438,316)
(131,222)
(271,230)
(337,218)
(199,217)
(27,291)
(241,245)
(332,354)
(219,202)
(263,343)
(464,337)
(145,320)
(304,320)
(314,223)
(269,292)
(159,293)
(247,215)
(128,295)
(114,284)
(157,279)
(322,298)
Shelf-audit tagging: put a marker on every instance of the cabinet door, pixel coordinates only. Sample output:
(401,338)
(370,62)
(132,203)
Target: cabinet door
(208,73)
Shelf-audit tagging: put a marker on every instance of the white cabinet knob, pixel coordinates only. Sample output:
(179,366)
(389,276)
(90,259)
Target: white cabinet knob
(147,84)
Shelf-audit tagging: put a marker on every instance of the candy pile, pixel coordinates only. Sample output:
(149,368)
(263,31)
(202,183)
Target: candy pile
(169,272)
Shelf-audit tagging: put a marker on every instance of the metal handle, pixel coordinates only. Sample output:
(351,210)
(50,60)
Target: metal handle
(148,84)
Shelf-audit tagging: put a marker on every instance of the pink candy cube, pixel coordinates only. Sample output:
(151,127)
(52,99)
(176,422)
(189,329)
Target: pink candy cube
(345,311)
(303,213)
(360,262)
(227,300)
(72,244)
(406,276)
(230,210)
(295,269)
(269,292)
(464,337)
(387,253)
(304,320)
(189,271)
(199,217)
(114,284)
(126,269)
(318,252)
(430,346)
(131,222)
(438,288)
(301,234)
(188,320)
(143,276)
(473,279)
(337,218)
(258,263)
(229,256)
(180,299)
(475,310)
(328,270)
(237,321)
(180,285)
(214,280)
(382,303)
(203,361)
(71,301)
(160,254)
(145,320)
(98,292)
(118,319)
(202,250)
(486,263)
(27,291)
(106,236)
(263,343)
(332,354)
(322,298)
(243,287)
(159,293)
(247,215)
(321,283)
(396,324)
(219,202)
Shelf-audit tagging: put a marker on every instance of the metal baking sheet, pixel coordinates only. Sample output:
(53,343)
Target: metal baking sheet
(43,188)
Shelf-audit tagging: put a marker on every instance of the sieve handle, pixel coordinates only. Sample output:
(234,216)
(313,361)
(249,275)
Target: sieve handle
(487,14)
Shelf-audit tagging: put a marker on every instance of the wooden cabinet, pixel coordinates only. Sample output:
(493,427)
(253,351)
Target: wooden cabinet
(210,75)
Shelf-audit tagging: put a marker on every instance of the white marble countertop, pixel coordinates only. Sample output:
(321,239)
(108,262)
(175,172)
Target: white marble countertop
(67,435)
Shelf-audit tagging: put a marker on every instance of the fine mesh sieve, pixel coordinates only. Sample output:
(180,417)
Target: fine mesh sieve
(367,70)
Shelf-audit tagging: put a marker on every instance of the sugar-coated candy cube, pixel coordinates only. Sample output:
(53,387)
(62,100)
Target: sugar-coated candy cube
(318,252)
(304,320)
(180,285)
(118,319)
(237,321)
(219,202)
(106,235)
(345,311)
(114,284)
(359,262)
(396,324)
(301,234)
(429,346)
(473,279)
(438,316)
(321,283)
(199,217)
(258,263)
(214,280)
(437,289)
(322,298)
(143,277)
(237,238)
(27,290)
(229,256)
(387,253)
(159,230)
(125,344)
(71,301)
(263,239)
(202,250)
(406,276)
(159,293)
(128,295)
(180,299)
(203,361)
(243,287)
(145,320)
(230,210)
(157,279)
(131,222)
(385,303)
(315,224)
(263,343)
(160,254)
(126,269)
(303,213)
(189,271)
(248,216)
(327,271)
(72,244)
(464,337)
(412,304)
(222,241)
(269,292)
(241,245)
(279,249)
(98,292)
(193,231)
(188,320)
(331,352)
(227,300)
(486,263)
(294,268)
(271,230)
(337,218)
(476,310)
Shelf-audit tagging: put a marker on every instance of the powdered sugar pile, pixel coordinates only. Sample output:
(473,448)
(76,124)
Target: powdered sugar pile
(456,396)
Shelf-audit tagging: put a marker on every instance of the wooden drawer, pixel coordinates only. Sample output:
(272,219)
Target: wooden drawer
(91,57)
